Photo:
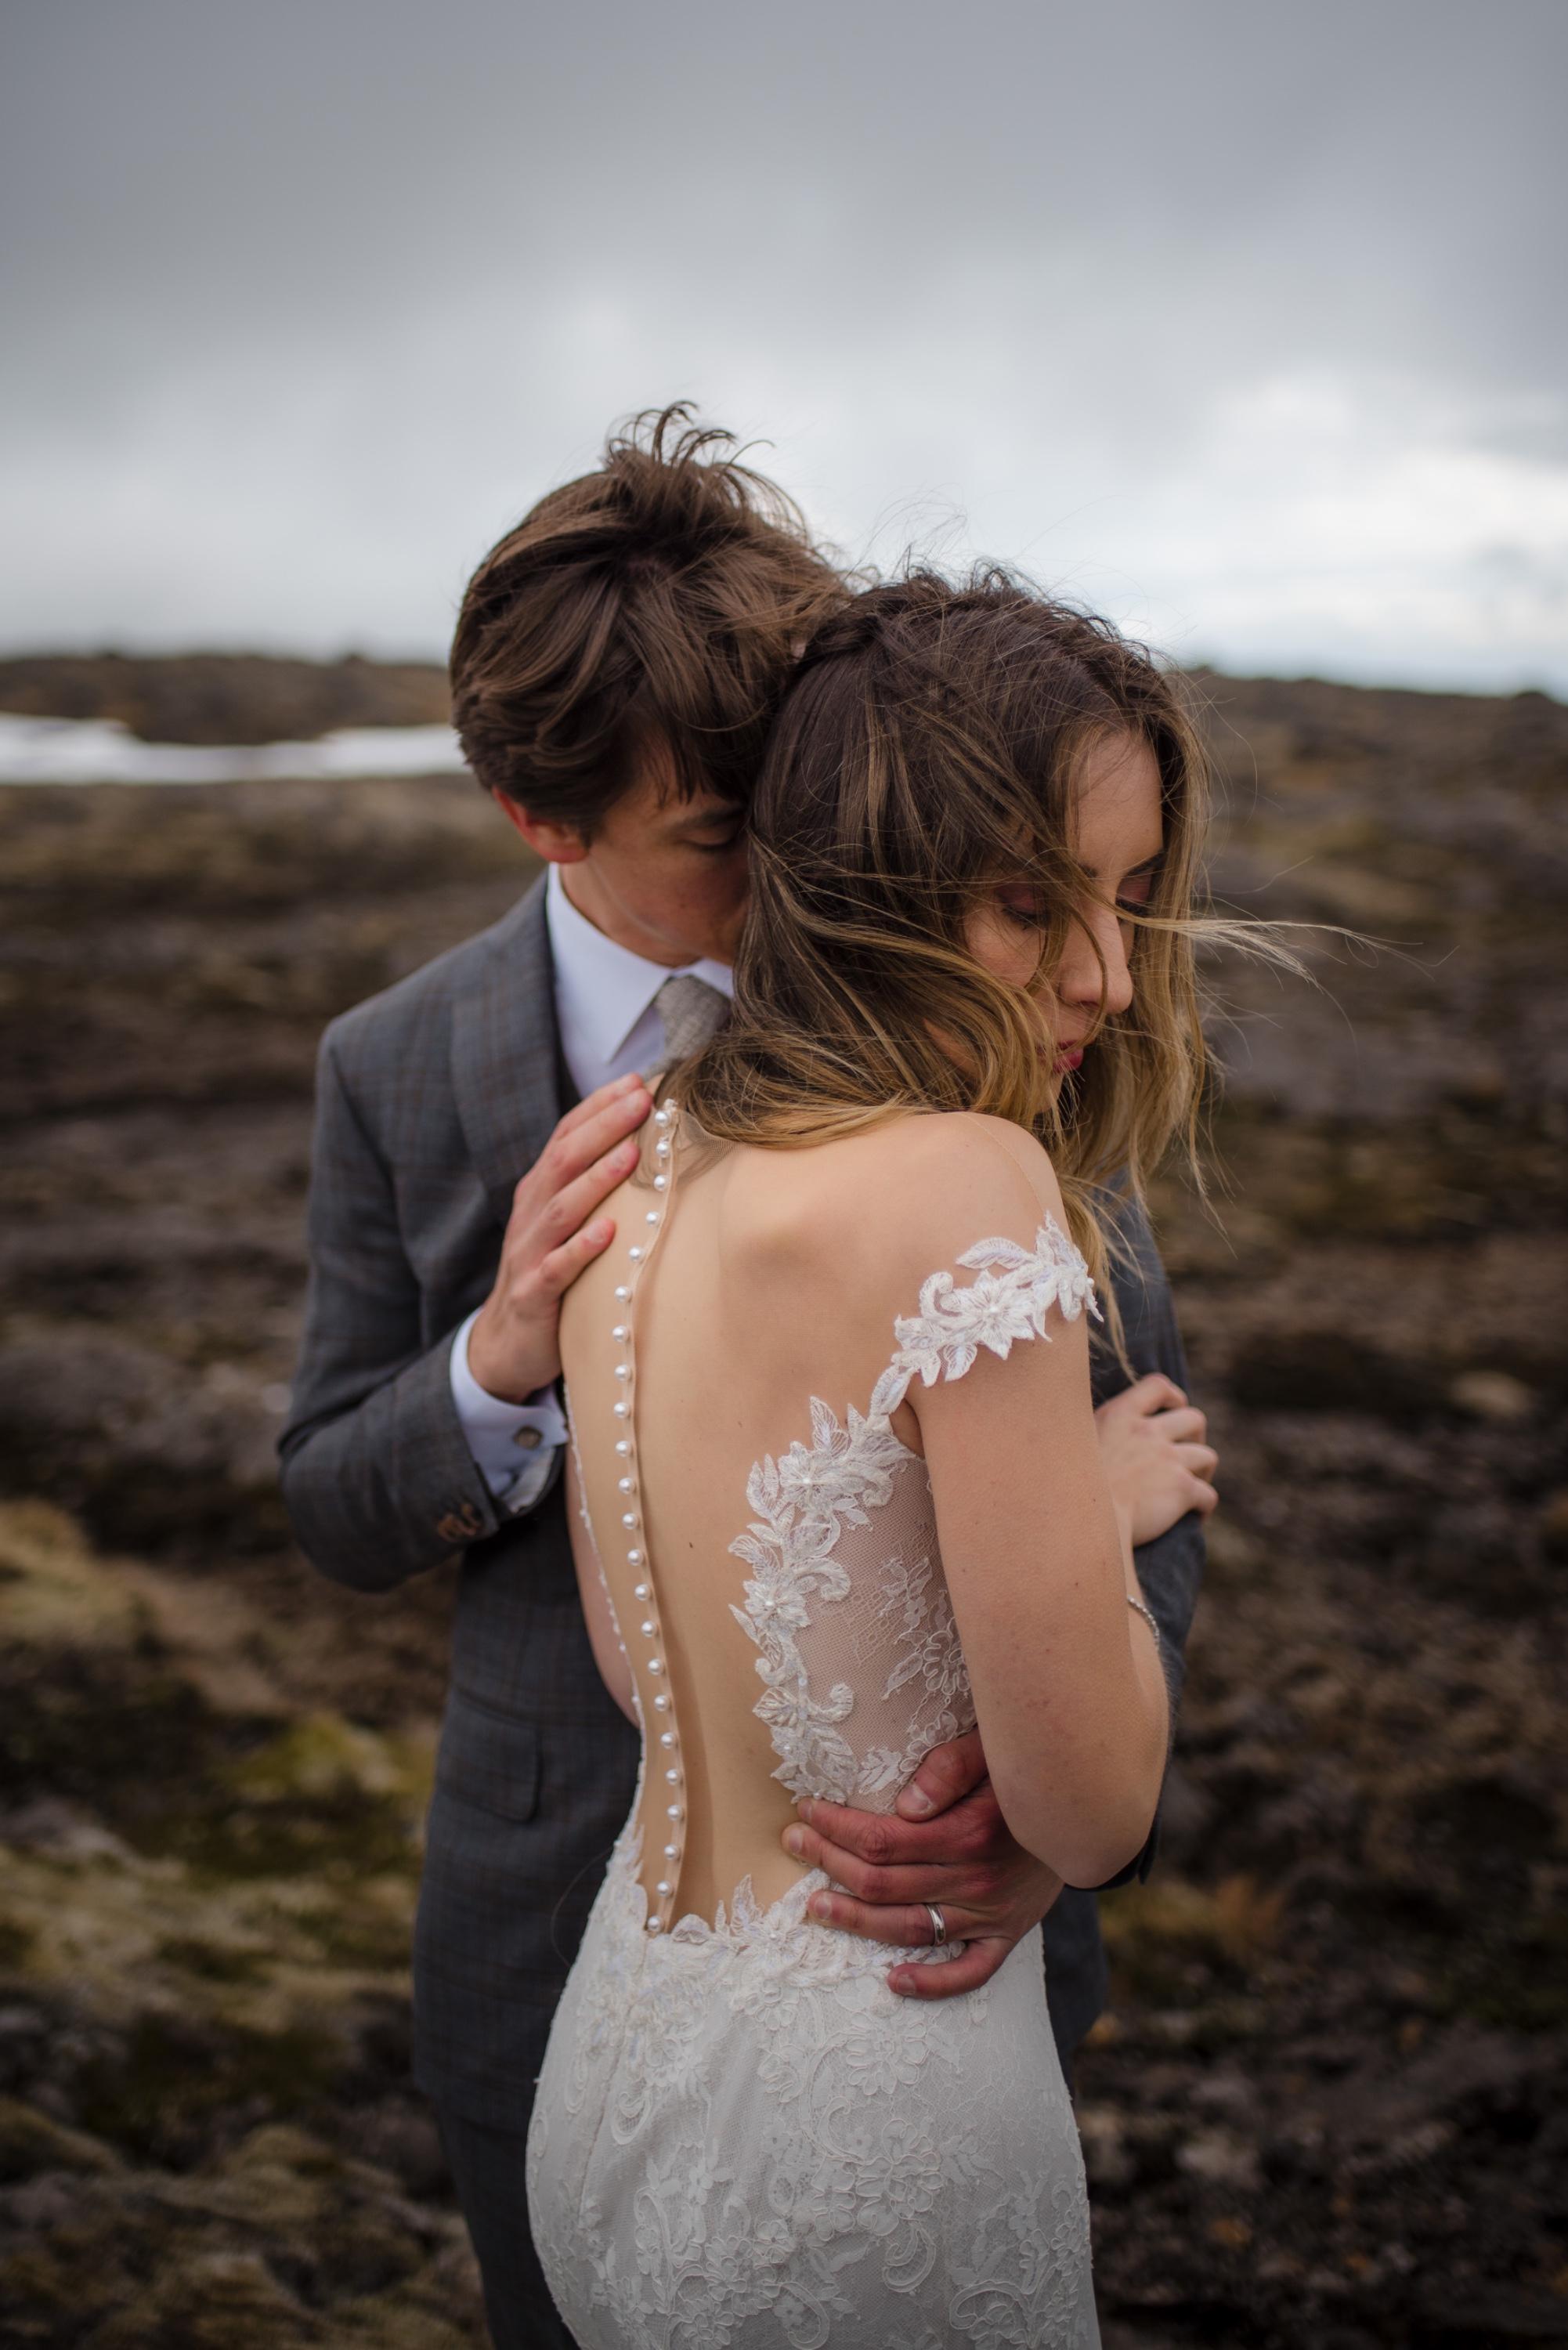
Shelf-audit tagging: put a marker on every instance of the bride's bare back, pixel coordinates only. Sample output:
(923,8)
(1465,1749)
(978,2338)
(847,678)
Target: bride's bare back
(757,1543)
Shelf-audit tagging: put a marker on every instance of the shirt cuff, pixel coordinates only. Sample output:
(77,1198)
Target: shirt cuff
(514,1444)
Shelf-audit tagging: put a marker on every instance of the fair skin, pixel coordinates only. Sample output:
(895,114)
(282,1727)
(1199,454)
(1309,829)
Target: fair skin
(1152,1442)
(667,878)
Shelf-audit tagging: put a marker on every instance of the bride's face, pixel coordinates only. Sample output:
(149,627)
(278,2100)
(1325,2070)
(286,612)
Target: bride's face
(1119,837)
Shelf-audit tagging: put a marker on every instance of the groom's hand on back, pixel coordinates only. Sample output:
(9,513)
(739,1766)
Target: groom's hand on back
(947,1844)
(553,1231)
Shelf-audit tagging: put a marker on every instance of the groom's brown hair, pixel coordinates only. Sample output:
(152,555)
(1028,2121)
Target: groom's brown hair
(654,605)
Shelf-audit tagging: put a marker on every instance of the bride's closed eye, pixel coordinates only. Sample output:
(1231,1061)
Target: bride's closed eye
(1137,888)
(1021,905)
(1024,905)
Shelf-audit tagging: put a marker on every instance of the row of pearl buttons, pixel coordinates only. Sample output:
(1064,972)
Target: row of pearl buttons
(632,1522)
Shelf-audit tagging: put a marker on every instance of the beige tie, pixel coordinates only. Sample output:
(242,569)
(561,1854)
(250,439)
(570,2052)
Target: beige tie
(690,1011)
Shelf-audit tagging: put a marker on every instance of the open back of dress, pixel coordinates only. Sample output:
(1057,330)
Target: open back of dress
(741,2135)
(766,1538)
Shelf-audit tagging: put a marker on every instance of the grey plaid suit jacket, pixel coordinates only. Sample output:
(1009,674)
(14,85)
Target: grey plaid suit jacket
(432,1100)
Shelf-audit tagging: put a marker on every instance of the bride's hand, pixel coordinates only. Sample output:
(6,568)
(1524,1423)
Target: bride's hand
(949,1845)
(1154,1445)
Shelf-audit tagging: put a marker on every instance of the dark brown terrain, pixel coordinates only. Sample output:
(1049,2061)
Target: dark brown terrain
(1329,2106)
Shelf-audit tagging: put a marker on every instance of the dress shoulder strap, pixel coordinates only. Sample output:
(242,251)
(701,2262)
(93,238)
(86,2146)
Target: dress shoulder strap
(1009,1298)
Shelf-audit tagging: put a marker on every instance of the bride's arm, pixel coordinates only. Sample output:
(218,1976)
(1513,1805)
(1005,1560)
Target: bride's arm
(1069,1693)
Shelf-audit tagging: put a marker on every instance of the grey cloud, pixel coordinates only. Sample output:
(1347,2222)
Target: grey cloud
(307,300)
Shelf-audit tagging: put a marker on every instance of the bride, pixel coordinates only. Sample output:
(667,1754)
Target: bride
(839,1495)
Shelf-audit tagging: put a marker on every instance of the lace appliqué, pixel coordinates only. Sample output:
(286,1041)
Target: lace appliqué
(805,1501)
(953,1324)
(754,2143)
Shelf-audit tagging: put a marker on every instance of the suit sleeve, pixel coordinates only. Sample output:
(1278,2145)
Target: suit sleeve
(1172,1567)
(378,1476)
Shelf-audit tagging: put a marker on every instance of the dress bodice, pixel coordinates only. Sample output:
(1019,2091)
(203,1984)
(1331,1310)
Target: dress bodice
(840,1598)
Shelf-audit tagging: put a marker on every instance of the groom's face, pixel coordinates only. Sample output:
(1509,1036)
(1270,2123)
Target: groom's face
(664,876)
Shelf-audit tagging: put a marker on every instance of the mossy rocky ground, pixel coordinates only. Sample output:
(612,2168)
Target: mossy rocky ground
(1326,2108)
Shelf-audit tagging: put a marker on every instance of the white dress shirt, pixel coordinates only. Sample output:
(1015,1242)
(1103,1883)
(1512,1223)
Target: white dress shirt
(608,1025)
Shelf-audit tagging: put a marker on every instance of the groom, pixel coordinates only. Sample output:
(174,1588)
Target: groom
(616,667)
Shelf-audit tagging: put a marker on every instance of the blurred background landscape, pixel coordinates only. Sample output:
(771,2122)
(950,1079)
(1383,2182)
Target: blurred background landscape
(1231,322)
(1329,2106)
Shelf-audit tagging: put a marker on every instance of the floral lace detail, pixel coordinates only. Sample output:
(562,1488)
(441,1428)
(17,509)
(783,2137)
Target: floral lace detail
(915,1615)
(954,1324)
(806,1500)
(743,2137)
(802,1502)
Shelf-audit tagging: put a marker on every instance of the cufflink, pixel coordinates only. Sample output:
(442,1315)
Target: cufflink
(527,1440)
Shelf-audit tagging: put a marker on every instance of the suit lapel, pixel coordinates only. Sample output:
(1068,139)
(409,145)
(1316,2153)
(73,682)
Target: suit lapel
(505,1053)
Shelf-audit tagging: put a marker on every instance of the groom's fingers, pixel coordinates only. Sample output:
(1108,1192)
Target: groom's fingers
(583,1138)
(561,1267)
(953,1977)
(908,1927)
(967,1832)
(963,1871)
(571,1207)
(948,1774)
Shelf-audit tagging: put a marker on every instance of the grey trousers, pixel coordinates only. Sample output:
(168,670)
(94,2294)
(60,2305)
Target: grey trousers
(488,2172)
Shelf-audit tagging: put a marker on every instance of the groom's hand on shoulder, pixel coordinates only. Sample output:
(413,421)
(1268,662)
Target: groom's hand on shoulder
(947,1845)
(553,1231)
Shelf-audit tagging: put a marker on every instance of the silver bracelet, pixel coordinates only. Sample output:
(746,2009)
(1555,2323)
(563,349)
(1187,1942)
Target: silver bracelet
(1138,1608)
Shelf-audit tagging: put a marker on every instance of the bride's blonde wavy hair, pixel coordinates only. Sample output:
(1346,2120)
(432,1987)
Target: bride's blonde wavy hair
(927,749)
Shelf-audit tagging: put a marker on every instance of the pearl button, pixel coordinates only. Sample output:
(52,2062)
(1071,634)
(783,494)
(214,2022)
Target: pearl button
(661,1148)
(639,1591)
(656,1664)
(664,1887)
(629,1520)
(622,1447)
(662,1117)
(669,1109)
(623,1291)
(673,1777)
(651,1217)
(661,1702)
(672,1852)
(653,1927)
(667,1738)
(622,1410)
(620,1332)
(649,1628)
(626,1484)
(635,1254)
(674,1812)
(634,1558)
(661,1182)
(623,1370)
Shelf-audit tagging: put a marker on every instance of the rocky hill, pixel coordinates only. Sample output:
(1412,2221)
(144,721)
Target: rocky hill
(225,697)
(1327,2107)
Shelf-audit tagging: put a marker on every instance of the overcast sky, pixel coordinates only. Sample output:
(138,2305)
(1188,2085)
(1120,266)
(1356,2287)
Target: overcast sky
(1243,320)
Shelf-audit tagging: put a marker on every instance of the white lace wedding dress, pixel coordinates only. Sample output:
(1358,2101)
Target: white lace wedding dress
(742,2137)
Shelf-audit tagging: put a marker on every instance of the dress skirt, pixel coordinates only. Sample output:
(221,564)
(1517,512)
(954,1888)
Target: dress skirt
(743,2140)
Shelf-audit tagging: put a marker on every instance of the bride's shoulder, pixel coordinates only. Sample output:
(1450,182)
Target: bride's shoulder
(962,1159)
(912,1193)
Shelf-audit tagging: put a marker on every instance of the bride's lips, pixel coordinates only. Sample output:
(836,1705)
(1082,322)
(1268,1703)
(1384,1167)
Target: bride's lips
(1073,1059)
